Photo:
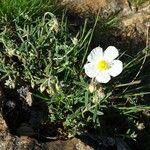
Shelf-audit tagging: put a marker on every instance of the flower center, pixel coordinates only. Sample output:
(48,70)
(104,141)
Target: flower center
(102,65)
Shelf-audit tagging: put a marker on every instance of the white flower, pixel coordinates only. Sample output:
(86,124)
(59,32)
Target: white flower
(102,65)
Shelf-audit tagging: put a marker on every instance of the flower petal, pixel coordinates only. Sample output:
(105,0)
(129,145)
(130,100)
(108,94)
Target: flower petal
(90,70)
(111,53)
(95,54)
(116,68)
(103,77)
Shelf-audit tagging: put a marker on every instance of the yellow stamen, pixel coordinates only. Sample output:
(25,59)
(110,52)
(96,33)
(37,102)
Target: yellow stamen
(102,65)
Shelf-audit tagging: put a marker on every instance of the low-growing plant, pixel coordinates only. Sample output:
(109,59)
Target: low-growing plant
(45,54)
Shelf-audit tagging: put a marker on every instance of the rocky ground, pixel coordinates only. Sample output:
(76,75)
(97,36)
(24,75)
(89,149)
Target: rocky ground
(134,19)
(9,141)
(21,136)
